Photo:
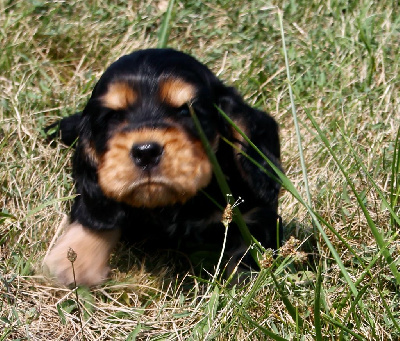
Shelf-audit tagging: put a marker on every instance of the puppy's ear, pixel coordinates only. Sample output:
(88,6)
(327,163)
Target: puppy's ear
(67,129)
(91,208)
(263,132)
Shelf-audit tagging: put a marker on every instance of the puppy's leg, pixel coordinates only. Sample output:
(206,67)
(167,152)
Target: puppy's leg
(93,249)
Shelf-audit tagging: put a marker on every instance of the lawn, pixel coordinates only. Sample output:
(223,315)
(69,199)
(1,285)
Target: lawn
(327,71)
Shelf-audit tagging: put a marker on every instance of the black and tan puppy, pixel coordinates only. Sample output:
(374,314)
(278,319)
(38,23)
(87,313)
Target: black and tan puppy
(141,171)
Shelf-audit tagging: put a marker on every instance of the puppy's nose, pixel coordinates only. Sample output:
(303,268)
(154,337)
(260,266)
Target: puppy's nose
(147,155)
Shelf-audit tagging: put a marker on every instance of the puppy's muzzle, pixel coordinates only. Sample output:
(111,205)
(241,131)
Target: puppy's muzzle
(147,155)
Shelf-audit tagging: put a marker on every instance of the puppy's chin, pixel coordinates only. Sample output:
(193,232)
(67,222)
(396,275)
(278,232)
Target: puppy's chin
(155,193)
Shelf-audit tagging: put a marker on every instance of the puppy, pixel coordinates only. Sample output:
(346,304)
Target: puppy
(141,171)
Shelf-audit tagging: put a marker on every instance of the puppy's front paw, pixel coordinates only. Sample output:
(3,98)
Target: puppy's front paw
(91,250)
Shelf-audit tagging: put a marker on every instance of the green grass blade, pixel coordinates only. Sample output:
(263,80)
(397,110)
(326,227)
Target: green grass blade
(45,204)
(377,235)
(317,305)
(210,312)
(294,113)
(132,335)
(342,327)
(367,271)
(247,237)
(166,26)
(289,306)
(291,188)
(353,307)
(375,231)
(244,314)
(319,217)
(292,310)
(394,185)
(386,204)
(387,308)
(280,175)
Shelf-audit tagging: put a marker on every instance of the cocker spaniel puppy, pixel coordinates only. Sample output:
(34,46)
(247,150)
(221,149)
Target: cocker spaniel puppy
(142,173)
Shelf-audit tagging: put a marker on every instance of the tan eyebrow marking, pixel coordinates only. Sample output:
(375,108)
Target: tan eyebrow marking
(119,96)
(176,92)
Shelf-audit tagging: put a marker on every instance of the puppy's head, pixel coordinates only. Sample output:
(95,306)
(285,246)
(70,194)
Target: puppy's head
(138,133)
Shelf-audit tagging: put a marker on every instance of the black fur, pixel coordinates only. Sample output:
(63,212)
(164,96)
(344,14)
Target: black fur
(187,226)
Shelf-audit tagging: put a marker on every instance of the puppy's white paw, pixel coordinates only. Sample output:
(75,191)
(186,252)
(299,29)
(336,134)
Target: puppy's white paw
(92,249)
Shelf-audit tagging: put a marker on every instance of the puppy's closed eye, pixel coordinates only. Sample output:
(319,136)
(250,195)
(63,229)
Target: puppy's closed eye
(183,111)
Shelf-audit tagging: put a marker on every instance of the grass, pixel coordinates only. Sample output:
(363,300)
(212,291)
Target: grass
(343,71)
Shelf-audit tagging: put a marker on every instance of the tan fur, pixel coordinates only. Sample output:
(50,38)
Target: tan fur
(183,170)
(119,96)
(176,92)
(93,249)
(242,126)
(90,152)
